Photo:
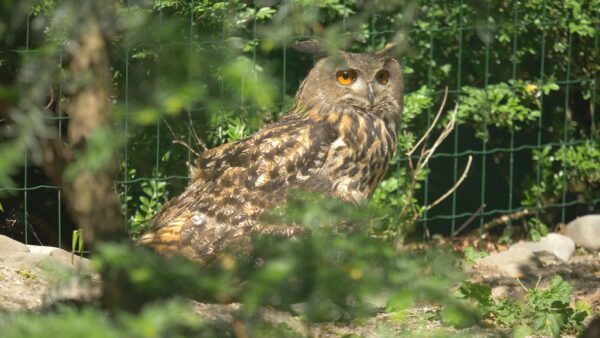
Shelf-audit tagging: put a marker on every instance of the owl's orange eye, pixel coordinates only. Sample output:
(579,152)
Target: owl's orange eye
(383,76)
(346,77)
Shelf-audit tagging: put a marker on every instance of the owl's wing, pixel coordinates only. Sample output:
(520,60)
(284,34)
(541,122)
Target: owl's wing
(235,183)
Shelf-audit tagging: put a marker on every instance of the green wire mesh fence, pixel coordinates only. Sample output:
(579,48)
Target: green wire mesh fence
(464,47)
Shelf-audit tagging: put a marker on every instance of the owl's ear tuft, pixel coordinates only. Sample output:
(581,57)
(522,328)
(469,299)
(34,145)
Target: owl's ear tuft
(313,47)
(317,48)
(388,50)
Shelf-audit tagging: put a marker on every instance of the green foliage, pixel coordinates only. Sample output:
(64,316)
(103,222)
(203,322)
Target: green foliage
(150,203)
(150,195)
(170,319)
(472,255)
(210,72)
(545,311)
(336,267)
(229,128)
(329,272)
(77,244)
(504,105)
(537,229)
(568,168)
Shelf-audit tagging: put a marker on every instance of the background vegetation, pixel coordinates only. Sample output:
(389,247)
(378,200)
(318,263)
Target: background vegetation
(183,76)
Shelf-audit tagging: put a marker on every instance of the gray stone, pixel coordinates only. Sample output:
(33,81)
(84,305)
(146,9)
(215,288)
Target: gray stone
(511,263)
(9,246)
(26,261)
(41,249)
(73,261)
(76,289)
(561,246)
(514,291)
(585,231)
(22,290)
(63,256)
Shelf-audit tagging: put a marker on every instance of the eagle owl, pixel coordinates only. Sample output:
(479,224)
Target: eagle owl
(336,139)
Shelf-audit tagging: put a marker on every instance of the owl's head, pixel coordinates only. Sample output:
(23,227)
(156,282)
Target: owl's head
(369,82)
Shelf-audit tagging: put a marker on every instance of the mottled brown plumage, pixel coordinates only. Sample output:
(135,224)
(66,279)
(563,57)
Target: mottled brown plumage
(336,139)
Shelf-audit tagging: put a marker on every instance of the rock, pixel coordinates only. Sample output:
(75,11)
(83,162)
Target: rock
(76,262)
(585,231)
(511,263)
(75,290)
(73,261)
(225,316)
(41,249)
(557,244)
(21,290)
(57,263)
(26,261)
(508,291)
(9,246)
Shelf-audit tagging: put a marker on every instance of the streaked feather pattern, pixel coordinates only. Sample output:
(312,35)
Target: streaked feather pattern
(330,142)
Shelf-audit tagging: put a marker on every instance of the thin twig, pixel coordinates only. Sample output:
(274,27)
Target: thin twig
(456,185)
(437,116)
(506,218)
(51,99)
(424,157)
(470,219)
(197,138)
(168,127)
(187,146)
(178,140)
(537,284)
(447,130)
(523,286)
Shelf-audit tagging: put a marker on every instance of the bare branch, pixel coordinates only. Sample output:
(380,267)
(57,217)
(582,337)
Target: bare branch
(169,127)
(187,146)
(470,219)
(178,140)
(456,185)
(195,135)
(426,154)
(51,99)
(437,117)
(447,130)
(504,219)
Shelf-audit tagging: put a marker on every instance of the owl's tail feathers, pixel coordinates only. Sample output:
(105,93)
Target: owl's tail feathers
(166,240)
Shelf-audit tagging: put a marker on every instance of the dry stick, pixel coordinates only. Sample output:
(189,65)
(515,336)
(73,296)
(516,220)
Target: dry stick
(470,219)
(437,116)
(456,185)
(51,99)
(178,141)
(426,153)
(505,218)
(197,138)
(522,285)
(447,130)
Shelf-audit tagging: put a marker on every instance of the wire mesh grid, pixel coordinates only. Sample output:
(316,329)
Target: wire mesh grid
(488,204)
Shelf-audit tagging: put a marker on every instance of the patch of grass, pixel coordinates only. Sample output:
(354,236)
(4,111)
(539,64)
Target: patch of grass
(544,311)
(27,274)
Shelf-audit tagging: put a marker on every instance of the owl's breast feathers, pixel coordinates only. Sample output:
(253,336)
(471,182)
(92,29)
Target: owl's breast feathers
(343,154)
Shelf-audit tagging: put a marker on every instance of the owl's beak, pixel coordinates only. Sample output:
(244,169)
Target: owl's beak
(370,93)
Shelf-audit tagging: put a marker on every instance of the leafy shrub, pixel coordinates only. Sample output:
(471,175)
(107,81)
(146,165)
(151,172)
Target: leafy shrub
(573,169)
(504,105)
(545,311)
